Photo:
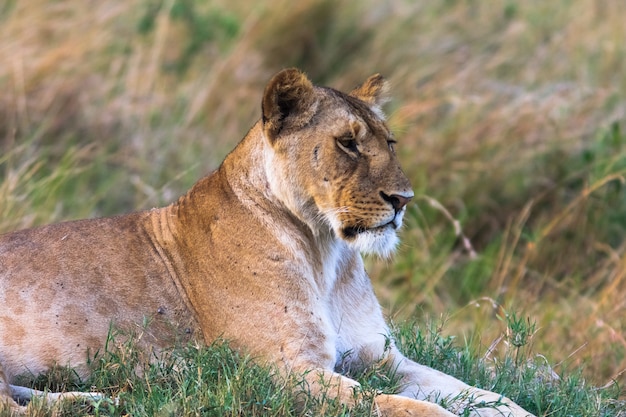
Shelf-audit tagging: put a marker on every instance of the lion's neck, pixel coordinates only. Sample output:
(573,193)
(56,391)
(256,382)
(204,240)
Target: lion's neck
(252,175)
(247,179)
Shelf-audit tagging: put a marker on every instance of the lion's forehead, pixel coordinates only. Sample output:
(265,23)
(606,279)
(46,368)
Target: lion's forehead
(345,108)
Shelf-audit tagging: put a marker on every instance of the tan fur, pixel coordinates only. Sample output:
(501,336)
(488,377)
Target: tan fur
(263,252)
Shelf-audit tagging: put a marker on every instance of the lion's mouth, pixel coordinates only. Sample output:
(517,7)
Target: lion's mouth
(351,232)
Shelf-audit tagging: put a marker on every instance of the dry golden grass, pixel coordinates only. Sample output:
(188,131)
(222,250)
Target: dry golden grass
(508,114)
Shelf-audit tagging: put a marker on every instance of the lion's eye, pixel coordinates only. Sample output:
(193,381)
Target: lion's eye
(392,145)
(348,144)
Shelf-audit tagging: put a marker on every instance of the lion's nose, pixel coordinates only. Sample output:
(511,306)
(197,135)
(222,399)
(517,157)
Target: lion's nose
(397,201)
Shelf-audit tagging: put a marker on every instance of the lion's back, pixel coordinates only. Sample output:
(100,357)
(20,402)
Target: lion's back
(63,285)
(70,253)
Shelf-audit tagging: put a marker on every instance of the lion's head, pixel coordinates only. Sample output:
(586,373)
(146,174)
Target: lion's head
(333,161)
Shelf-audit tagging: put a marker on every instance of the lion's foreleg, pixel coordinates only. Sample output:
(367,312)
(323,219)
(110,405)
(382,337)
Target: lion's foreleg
(425,383)
(328,384)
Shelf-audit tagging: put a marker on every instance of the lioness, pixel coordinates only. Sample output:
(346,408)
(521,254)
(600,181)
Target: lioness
(264,252)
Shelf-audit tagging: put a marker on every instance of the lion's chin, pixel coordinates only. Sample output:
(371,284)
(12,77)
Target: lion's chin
(381,241)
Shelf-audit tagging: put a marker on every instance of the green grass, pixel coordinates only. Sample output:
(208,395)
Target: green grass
(509,115)
(219,381)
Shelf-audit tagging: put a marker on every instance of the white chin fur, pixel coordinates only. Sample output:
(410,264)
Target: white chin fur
(381,242)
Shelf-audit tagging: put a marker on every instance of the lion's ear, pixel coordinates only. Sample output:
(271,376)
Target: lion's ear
(289,100)
(373,91)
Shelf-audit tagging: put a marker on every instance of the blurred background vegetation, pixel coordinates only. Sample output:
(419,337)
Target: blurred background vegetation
(510,116)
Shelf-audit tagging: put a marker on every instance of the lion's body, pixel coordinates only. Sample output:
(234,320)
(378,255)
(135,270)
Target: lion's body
(263,252)
(59,306)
